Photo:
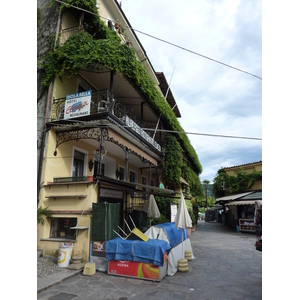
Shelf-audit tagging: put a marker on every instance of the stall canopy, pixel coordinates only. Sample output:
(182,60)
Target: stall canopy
(248,196)
(231,197)
(249,202)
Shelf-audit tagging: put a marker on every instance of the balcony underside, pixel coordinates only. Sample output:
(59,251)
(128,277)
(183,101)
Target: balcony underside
(117,139)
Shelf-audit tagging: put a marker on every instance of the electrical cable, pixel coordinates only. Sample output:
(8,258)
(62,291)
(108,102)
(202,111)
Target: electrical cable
(164,41)
(169,131)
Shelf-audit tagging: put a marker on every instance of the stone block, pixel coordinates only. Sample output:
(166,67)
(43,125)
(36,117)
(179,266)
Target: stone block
(89,269)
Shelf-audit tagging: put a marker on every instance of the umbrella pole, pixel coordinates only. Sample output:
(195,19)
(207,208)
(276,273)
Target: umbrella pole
(182,242)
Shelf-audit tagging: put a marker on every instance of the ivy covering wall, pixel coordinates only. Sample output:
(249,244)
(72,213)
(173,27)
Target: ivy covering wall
(97,46)
(239,182)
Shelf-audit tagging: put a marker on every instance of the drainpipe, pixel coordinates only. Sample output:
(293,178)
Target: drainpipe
(46,119)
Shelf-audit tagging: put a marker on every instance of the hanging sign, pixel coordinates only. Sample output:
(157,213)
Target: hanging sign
(77,105)
(130,123)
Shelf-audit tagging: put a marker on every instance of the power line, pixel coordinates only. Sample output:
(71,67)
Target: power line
(166,131)
(164,41)
(193,52)
(206,134)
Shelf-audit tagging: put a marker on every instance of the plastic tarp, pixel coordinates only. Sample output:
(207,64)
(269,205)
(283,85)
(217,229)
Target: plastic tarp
(151,251)
(168,232)
(173,235)
(105,218)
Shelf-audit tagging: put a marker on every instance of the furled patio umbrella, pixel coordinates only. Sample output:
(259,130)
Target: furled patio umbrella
(150,207)
(182,218)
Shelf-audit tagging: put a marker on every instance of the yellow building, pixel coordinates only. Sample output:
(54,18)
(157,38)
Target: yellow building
(99,165)
(240,207)
(248,168)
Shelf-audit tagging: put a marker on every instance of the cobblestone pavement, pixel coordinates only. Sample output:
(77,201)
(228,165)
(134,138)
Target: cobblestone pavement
(226,267)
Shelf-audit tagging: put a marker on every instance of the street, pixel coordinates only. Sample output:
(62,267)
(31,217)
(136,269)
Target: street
(226,266)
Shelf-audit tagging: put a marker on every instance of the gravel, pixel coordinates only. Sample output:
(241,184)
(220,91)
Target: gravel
(46,266)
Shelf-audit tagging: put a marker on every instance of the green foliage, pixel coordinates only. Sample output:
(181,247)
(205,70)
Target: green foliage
(194,181)
(163,206)
(239,182)
(42,213)
(160,220)
(172,161)
(98,46)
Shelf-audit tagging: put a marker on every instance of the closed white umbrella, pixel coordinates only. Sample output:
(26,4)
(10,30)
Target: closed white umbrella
(151,208)
(182,218)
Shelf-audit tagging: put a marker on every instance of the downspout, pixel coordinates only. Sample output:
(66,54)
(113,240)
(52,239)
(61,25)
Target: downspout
(46,119)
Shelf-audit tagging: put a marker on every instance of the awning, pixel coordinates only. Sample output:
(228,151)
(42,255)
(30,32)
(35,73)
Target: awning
(232,197)
(249,202)
(153,188)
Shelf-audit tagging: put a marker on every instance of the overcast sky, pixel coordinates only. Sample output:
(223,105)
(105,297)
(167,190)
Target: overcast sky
(212,98)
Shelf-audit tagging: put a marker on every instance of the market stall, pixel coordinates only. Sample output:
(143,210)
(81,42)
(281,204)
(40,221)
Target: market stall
(177,241)
(244,212)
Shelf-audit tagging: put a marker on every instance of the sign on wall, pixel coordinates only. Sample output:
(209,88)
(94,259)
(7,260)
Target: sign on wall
(77,105)
(173,212)
(130,123)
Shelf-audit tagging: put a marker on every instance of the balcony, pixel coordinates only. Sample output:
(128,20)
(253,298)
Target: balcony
(102,101)
(70,179)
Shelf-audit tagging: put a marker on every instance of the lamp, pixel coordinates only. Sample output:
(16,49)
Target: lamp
(91,164)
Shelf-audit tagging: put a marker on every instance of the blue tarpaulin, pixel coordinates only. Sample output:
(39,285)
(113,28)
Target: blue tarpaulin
(174,234)
(151,251)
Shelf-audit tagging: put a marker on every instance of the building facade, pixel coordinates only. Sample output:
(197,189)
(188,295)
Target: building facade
(102,148)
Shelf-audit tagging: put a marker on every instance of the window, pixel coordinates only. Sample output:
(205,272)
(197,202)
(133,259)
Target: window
(131,176)
(60,228)
(78,164)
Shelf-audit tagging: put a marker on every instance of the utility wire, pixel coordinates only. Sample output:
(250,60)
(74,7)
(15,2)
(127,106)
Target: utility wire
(164,41)
(164,130)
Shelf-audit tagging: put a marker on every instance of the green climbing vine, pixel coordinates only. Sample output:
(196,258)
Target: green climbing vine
(239,182)
(173,161)
(95,46)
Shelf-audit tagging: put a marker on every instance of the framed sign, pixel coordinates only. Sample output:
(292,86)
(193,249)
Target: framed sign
(77,105)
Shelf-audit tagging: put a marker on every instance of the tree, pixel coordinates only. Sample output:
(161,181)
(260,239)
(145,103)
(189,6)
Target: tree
(42,213)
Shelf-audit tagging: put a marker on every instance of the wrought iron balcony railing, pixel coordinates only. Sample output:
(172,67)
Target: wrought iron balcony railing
(70,179)
(104,101)
(101,101)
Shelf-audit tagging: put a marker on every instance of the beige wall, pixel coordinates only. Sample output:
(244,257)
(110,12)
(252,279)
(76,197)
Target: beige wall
(81,244)
(249,169)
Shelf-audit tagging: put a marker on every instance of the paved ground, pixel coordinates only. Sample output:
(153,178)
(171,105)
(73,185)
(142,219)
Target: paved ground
(226,266)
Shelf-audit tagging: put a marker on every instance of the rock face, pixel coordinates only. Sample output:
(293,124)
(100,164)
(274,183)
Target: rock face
(45,36)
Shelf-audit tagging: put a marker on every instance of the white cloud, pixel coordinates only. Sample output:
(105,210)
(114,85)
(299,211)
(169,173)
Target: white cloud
(212,98)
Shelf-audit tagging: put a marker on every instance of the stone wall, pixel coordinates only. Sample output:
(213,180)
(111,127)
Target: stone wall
(45,37)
